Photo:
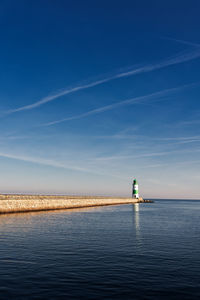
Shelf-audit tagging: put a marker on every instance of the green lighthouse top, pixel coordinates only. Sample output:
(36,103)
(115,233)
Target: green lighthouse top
(134,181)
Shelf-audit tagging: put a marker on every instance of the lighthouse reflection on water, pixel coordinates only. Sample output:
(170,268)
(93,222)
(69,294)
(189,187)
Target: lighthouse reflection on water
(136,224)
(136,210)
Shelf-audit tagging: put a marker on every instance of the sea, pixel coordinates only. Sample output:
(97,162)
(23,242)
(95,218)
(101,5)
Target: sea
(141,251)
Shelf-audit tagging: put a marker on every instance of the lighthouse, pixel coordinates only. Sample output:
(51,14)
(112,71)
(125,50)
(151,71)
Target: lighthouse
(135,193)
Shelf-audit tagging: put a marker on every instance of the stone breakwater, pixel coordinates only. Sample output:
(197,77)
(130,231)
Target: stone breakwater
(26,203)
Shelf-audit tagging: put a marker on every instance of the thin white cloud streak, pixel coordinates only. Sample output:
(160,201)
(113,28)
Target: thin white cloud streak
(136,100)
(60,94)
(181,41)
(108,158)
(7,138)
(51,163)
(182,140)
(187,123)
(182,137)
(181,58)
(147,155)
(41,161)
(177,163)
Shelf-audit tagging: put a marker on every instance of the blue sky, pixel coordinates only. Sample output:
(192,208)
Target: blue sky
(96,93)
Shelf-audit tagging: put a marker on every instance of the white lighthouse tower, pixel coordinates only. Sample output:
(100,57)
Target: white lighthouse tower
(135,193)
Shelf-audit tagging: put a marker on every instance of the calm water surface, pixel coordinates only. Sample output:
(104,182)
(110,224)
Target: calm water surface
(146,251)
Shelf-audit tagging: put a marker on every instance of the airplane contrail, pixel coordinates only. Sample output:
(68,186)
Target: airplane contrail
(135,100)
(180,58)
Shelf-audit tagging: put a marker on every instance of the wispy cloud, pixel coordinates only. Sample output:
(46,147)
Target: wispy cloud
(183,140)
(187,123)
(135,156)
(14,137)
(177,59)
(41,161)
(55,164)
(145,155)
(181,41)
(136,100)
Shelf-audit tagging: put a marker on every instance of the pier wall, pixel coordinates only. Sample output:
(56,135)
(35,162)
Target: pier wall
(25,203)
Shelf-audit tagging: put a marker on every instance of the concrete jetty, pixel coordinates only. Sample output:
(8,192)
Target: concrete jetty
(26,203)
